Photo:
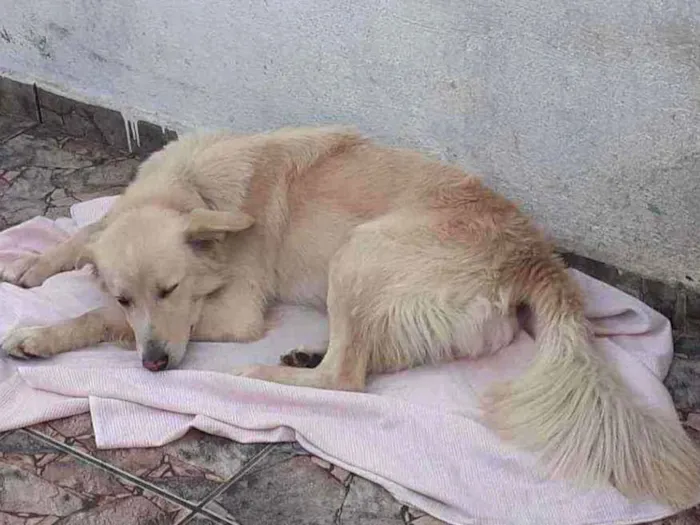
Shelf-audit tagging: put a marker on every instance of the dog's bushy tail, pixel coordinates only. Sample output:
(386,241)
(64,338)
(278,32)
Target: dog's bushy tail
(573,408)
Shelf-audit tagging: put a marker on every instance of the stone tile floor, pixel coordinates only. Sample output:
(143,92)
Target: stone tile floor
(53,473)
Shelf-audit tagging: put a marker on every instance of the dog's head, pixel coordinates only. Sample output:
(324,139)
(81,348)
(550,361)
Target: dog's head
(159,265)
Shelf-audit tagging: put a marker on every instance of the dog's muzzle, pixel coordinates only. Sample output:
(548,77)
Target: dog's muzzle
(154,357)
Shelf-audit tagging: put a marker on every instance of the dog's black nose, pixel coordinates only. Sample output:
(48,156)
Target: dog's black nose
(156,366)
(154,357)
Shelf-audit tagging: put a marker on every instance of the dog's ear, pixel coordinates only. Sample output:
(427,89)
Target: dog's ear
(205,225)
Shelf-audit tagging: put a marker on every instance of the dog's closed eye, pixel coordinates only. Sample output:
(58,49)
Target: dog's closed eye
(165,292)
(124,301)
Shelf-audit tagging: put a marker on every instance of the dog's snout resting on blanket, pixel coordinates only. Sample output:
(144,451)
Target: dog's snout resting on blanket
(415,261)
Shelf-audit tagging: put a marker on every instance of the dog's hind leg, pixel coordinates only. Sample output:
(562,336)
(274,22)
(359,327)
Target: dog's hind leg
(397,299)
(342,367)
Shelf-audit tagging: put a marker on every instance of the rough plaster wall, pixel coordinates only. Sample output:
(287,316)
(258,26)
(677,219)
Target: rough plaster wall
(588,112)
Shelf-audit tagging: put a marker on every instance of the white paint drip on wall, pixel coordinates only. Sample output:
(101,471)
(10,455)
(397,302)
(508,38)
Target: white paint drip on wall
(131,126)
(129,113)
(127,130)
(135,131)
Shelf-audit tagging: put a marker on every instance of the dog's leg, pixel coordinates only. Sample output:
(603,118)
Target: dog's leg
(233,314)
(396,301)
(33,269)
(106,324)
(344,364)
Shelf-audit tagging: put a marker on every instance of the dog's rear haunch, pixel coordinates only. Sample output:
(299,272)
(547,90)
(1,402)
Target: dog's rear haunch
(415,261)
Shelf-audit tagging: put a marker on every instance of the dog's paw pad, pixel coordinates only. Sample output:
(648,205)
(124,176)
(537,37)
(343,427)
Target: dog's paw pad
(300,358)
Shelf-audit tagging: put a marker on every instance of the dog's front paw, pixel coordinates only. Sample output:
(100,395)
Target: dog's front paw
(28,342)
(38,272)
(29,270)
(13,271)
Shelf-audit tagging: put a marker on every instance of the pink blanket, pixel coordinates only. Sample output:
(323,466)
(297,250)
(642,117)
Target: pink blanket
(417,433)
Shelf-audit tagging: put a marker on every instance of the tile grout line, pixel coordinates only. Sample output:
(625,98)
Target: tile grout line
(194,508)
(209,515)
(236,477)
(18,133)
(194,514)
(200,509)
(111,469)
(216,517)
(37,103)
(187,519)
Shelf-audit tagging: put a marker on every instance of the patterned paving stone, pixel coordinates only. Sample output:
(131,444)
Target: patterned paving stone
(367,503)
(190,467)
(688,346)
(683,382)
(12,126)
(44,173)
(43,485)
(100,125)
(285,487)
(18,100)
(292,487)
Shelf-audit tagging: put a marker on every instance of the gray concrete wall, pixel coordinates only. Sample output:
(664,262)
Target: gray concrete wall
(588,112)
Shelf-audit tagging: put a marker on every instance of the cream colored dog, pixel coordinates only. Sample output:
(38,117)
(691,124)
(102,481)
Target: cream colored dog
(415,261)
